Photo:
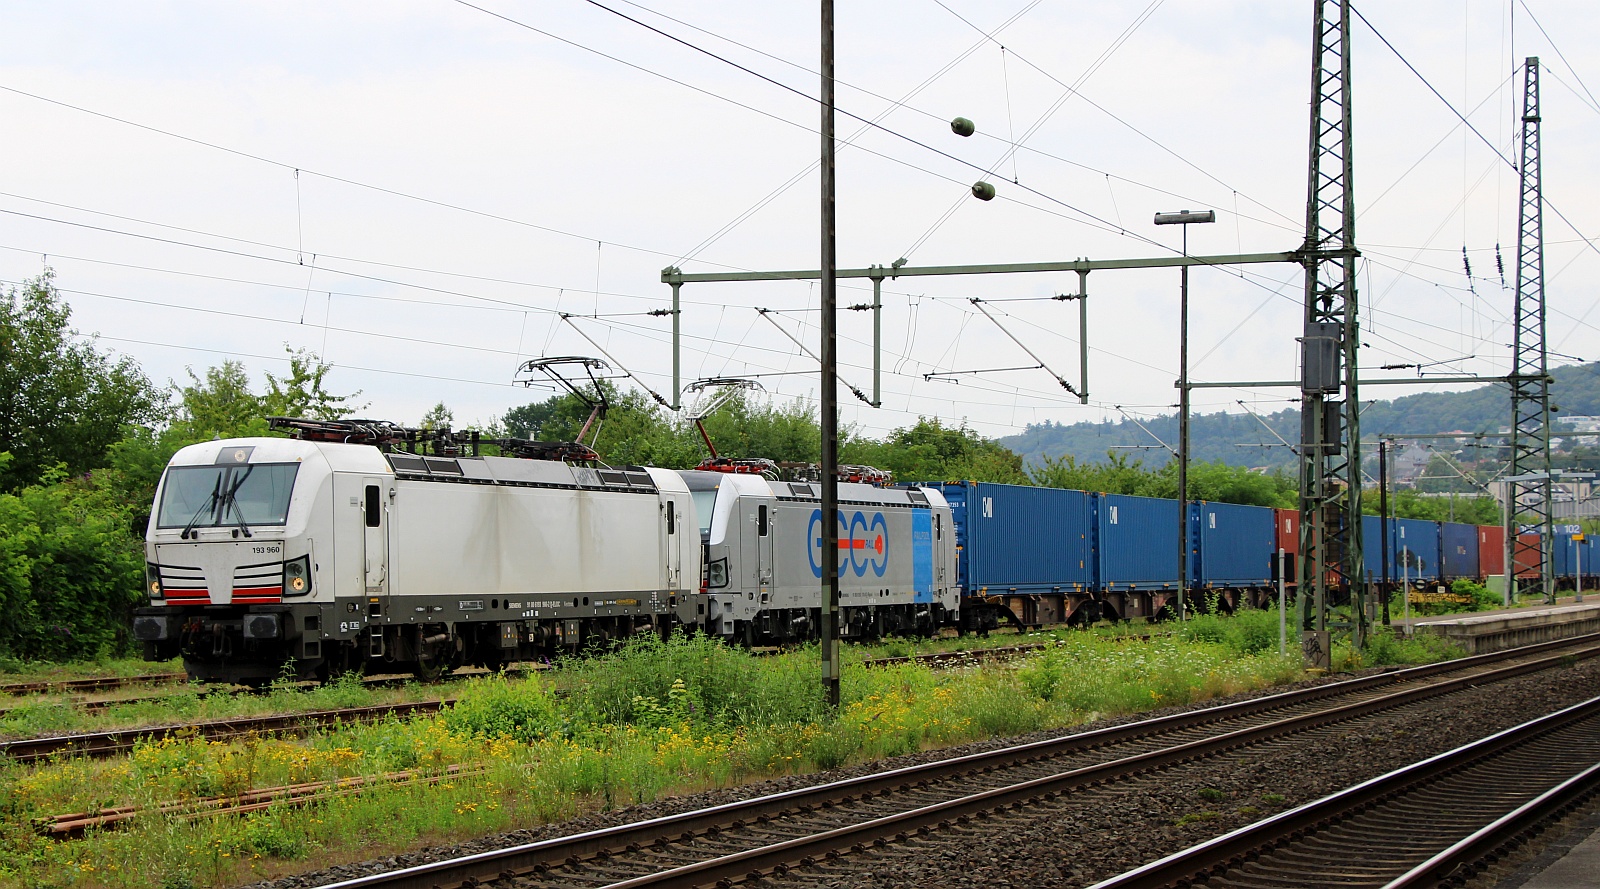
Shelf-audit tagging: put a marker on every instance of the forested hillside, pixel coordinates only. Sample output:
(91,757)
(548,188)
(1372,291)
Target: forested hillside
(1241,440)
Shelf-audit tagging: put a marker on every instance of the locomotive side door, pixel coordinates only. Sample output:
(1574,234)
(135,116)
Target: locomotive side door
(671,540)
(766,516)
(375,535)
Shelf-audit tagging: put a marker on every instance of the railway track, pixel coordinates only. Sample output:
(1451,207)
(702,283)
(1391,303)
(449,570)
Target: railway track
(1437,822)
(112,743)
(75,824)
(938,658)
(97,683)
(812,830)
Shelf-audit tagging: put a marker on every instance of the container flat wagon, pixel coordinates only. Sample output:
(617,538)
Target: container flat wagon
(1024,554)
(1231,553)
(1136,546)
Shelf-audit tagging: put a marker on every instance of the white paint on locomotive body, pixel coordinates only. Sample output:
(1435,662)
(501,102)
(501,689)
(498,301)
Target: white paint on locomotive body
(460,558)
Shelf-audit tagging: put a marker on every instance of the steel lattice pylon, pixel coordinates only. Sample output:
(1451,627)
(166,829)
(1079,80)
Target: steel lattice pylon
(1330,457)
(1528,491)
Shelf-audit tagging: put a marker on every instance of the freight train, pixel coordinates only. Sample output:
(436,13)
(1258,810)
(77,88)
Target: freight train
(362,545)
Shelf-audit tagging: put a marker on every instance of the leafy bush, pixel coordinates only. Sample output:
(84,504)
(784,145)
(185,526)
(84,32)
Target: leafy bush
(69,570)
(1248,631)
(1384,647)
(523,710)
(647,680)
(1483,598)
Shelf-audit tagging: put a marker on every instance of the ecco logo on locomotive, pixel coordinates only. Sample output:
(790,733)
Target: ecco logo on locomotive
(859,550)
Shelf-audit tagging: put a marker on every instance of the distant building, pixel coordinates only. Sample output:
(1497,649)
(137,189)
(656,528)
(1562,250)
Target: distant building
(1407,460)
(1582,424)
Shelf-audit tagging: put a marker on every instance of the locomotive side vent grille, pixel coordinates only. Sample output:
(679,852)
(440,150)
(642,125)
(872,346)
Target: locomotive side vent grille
(408,463)
(443,465)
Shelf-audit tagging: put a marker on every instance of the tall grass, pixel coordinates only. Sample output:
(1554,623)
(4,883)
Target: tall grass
(628,726)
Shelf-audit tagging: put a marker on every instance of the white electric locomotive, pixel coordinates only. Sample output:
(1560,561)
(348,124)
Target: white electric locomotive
(764,558)
(336,550)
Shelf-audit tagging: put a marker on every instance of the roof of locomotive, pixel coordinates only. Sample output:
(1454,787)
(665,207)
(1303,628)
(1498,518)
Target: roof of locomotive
(340,457)
(849,492)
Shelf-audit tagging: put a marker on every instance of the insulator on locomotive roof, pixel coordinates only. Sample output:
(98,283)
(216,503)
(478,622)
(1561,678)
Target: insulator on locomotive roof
(351,431)
(748,465)
(560,451)
(847,472)
(869,475)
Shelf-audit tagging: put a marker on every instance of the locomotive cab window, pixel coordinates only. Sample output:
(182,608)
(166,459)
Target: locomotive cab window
(672,518)
(374,516)
(761,520)
(226,496)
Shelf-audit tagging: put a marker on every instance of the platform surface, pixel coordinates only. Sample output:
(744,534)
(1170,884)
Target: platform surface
(1577,868)
(1564,605)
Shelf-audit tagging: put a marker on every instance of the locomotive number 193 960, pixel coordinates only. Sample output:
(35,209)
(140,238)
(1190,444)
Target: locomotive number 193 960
(270,549)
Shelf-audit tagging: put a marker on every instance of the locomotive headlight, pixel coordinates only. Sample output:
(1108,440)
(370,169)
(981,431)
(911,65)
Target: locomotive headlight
(717,573)
(152,580)
(297,576)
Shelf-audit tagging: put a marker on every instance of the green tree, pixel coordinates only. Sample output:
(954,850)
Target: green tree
(932,451)
(752,426)
(220,405)
(528,420)
(1220,483)
(1408,504)
(1119,474)
(302,394)
(437,417)
(62,400)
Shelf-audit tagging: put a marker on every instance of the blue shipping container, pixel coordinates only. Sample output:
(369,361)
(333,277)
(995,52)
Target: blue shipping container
(1230,545)
(1372,548)
(1136,542)
(1014,538)
(1418,541)
(1458,550)
(1570,556)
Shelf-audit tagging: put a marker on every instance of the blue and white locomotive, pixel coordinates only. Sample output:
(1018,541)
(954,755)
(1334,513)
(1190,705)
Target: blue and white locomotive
(764,558)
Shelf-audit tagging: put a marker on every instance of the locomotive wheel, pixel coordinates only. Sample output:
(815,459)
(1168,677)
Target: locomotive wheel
(433,662)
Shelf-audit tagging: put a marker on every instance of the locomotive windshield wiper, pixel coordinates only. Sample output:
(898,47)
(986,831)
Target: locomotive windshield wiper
(216,492)
(231,500)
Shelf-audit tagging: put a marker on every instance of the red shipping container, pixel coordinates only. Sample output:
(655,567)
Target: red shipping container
(1491,550)
(1286,533)
(1527,555)
(1288,530)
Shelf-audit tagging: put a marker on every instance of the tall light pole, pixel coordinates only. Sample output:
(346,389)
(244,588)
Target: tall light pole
(829,419)
(1184,218)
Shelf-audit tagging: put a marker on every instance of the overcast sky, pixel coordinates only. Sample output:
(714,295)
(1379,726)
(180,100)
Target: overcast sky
(413,190)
